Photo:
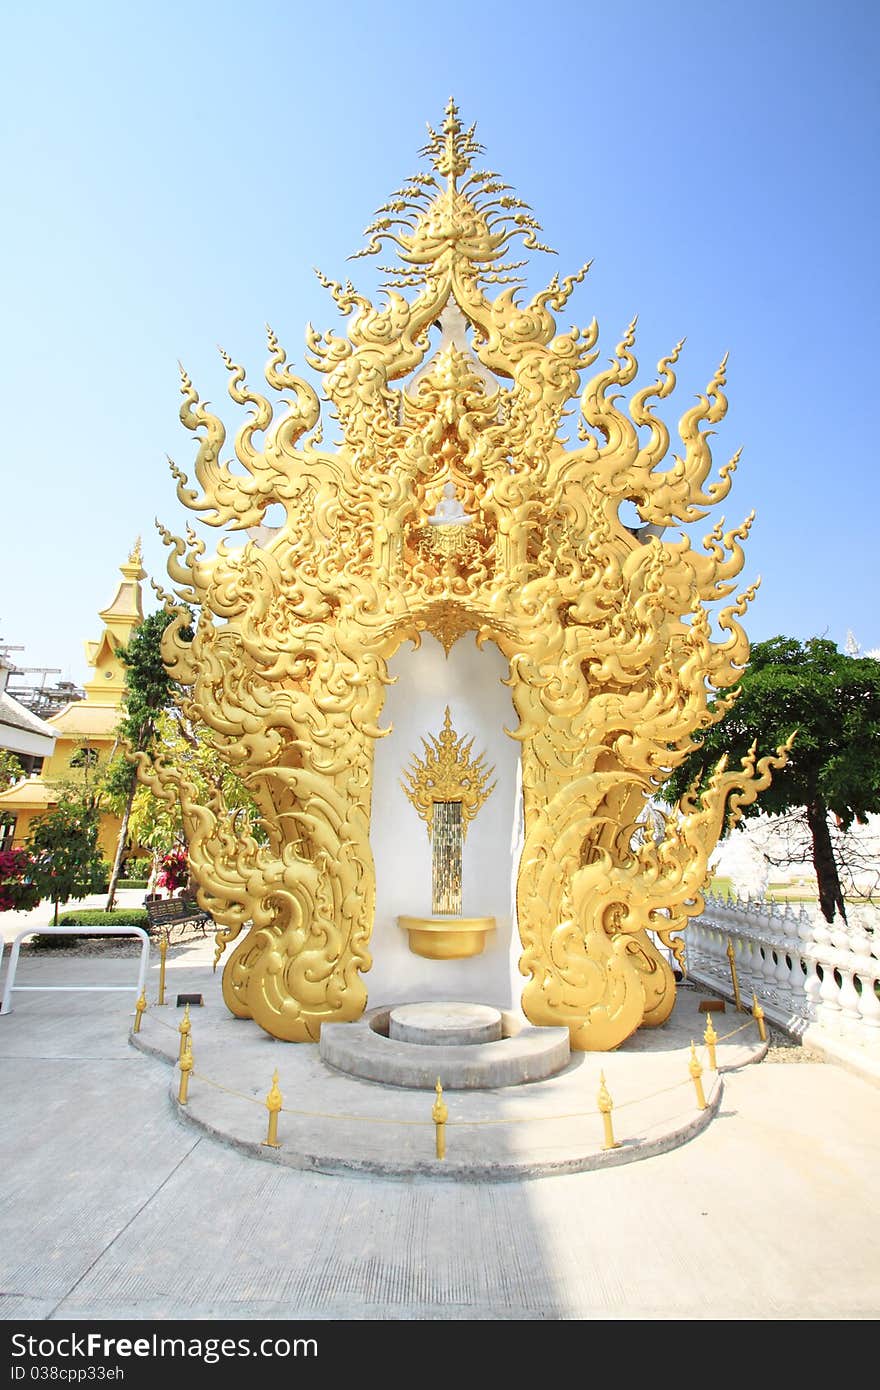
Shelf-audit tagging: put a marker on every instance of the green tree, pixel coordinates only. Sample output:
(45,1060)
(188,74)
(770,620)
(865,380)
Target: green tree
(158,825)
(149,691)
(10,768)
(83,781)
(63,847)
(833,769)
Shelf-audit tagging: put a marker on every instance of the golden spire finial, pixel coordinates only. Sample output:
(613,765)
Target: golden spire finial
(133,566)
(450,148)
(452,163)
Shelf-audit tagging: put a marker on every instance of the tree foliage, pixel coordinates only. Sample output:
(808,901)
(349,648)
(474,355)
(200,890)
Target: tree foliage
(63,847)
(84,778)
(782,842)
(149,691)
(18,891)
(11,769)
(155,723)
(158,825)
(833,702)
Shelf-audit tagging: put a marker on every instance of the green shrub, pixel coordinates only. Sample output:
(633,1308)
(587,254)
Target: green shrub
(90,917)
(132,883)
(94,917)
(138,868)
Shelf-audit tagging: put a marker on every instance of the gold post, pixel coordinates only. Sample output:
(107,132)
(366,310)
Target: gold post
(273,1105)
(758,1016)
(710,1038)
(163,951)
(696,1072)
(733,976)
(186,1066)
(440,1114)
(184,1029)
(605,1106)
(139,1008)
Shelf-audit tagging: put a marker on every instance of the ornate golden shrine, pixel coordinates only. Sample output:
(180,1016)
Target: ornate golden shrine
(606,630)
(447,787)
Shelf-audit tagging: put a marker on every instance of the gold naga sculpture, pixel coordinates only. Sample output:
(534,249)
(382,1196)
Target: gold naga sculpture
(605,626)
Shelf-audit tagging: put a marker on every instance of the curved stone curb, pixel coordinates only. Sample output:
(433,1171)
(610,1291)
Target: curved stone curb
(363,1049)
(197,1114)
(629,1151)
(760,1052)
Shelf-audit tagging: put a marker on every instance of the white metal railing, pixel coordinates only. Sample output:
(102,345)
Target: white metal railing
(805,972)
(11,987)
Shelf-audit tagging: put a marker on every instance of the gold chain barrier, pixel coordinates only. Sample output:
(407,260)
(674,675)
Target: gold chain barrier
(756,1016)
(440,1119)
(733,1032)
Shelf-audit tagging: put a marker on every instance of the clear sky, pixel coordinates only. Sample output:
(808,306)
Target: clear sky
(172,173)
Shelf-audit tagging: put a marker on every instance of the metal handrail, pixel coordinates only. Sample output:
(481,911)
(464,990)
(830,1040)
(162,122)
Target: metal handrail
(10,986)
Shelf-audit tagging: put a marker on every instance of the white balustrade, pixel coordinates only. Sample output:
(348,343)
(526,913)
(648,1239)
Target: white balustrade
(812,985)
(867,973)
(803,970)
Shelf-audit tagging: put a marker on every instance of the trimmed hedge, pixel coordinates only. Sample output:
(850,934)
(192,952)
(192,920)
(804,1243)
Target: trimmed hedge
(94,917)
(132,883)
(91,917)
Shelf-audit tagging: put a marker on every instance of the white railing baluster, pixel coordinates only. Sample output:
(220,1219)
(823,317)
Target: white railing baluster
(867,972)
(808,972)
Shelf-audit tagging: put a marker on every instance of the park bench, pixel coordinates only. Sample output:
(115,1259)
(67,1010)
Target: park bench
(166,913)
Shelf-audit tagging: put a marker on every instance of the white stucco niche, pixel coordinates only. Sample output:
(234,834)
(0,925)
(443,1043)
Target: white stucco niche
(469,682)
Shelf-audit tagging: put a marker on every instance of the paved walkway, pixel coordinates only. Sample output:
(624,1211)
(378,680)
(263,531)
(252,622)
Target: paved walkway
(115,1207)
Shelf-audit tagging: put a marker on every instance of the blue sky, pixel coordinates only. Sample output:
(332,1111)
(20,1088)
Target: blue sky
(172,173)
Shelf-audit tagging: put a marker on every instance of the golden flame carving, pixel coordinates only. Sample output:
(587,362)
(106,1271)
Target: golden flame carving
(605,626)
(448,773)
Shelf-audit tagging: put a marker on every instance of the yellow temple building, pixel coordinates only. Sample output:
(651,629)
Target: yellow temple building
(85,730)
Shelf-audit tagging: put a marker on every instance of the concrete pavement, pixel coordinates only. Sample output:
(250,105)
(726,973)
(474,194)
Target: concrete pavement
(116,1206)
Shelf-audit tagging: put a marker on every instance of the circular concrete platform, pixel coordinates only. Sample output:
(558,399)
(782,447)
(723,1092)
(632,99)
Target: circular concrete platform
(450,1025)
(521,1054)
(331,1122)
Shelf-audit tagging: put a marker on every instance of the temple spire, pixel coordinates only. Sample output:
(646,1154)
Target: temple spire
(121,616)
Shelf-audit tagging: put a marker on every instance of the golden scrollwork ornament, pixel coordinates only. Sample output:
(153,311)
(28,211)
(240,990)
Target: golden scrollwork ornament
(606,626)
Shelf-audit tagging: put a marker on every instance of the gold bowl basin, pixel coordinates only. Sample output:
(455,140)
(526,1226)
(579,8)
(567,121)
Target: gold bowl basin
(447,938)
